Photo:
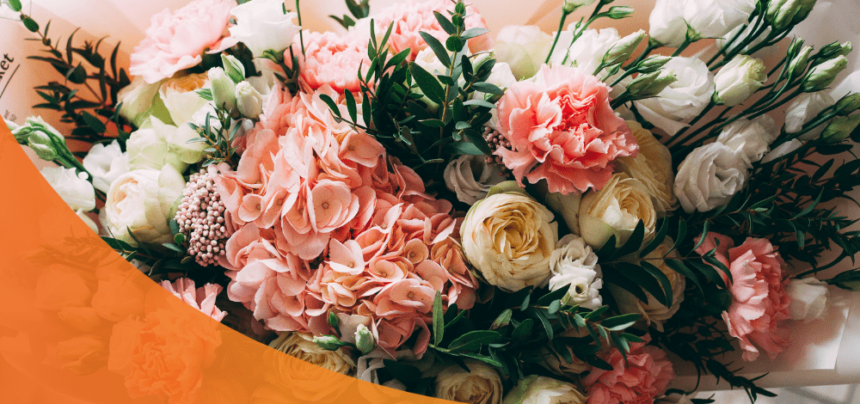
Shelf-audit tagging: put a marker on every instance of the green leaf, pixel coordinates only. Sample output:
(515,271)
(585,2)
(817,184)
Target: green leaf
(174,247)
(682,235)
(350,105)
(594,315)
(722,267)
(472,341)
(597,362)
(551,296)
(405,373)
(428,83)
(486,359)
(554,306)
(477,139)
(811,207)
(526,301)
(502,320)
(682,269)
(523,330)
(334,321)
(608,249)
(662,278)
(625,283)
(331,104)
(709,273)
(205,94)
(30,24)
(93,122)
(462,148)
(634,243)
(454,44)
(473,33)
(703,235)
(644,279)
(15,5)
(620,323)
(544,322)
(437,48)
(658,239)
(445,23)
(179,239)
(438,319)
(480,103)
(488,88)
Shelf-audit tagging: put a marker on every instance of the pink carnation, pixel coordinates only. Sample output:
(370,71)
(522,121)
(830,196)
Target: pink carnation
(202,299)
(330,59)
(759,301)
(412,17)
(645,376)
(176,41)
(562,129)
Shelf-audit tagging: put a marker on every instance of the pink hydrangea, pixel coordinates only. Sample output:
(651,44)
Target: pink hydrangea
(644,377)
(759,302)
(412,17)
(330,59)
(202,299)
(175,41)
(562,129)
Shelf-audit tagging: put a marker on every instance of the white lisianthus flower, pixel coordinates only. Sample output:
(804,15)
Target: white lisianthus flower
(684,99)
(804,109)
(163,144)
(471,178)
(264,25)
(739,79)
(653,312)
(509,237)
(653,167)
(574,266)
(809,298)
(782,150)
(523,48)
(615,210)
(106,162)
(709,177)
(139,101)
(707,18)
(750,139)
(72,186)
(140,202)
(301,345)
(480,385)
(588,51)
(180,96)
(536,389)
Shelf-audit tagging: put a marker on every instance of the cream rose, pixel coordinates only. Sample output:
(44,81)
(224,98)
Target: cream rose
(139,101)
(140,202)
(509,237)
(471,178)
(544,390)
(481,385)
(709,177)
(750,139)
(162,144)
(684,99)
(809,298)
(180,96)
(653,312)
(301,345)
(803,110)
(574,266)
(653,167)
(616,210)
(523,48)
(739,79)
(106,162)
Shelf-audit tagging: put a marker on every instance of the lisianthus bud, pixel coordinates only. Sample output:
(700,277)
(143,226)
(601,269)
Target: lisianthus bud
(653,63)
(824,74)
(328,342)
(803,11)
(840,128)
(41,137)
(784,13)
(649,85)
(571,5)
(223,89)
(619,12)
(739,79)
(42,145)
(799,63)
(248,100)
(623,49)
(848,104)
(233,67)
(364,339)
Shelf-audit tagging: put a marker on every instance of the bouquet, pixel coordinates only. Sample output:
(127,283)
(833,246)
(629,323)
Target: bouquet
(517,217)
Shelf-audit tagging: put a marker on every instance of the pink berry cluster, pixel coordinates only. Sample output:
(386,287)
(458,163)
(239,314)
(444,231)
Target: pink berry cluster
(201,218)
(496,141)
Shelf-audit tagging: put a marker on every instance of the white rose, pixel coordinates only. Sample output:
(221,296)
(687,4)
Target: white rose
(739,79)
(301,345)
(106,162)
(615,210)
(653,312)
(544,390)
(427,59)
(709,177)
(750,139)
(653,167)
(684,99)
(139,101)
(73,187)
(480,385)
(588,51)
(163,144)
(141,202)
(574,266)
(508,238)
(502,76)
(708,18)
(523,48)
(809,298)
(471,178)
(782,150)
(804,109)
(264,25)
(180,96)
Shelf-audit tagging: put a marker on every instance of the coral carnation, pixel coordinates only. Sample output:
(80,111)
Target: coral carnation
(644,377)
(330,59)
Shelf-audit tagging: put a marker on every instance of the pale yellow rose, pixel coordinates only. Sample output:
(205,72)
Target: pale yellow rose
(302,346)
(481,385)
(653,167)
(616,210)
(509,238)
(180,97)
(544,390)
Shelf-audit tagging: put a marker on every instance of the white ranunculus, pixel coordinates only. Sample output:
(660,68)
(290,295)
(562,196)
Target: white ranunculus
(180,96)
(739,79)
(709,177)
(106,162)
(574,266)
(782,150)
(588,51)
(809,298)
(264,25)
(523,48)
(140,202)
(750,139)
(544,390)
(480,385)
(615,210)
(163,144)
(684,99)
(804,109)
(139,101)
(73,187)
(708,18)
(471,177)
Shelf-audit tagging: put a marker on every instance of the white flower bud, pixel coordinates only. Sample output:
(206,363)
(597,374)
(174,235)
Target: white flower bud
(784,13)
(233,67)
(809,299)
(571,5)
(623,49)
(799,63)
(328,342)
(248,100)
(653,63)
(848,104)
(649,85)
(739,80)
(840,128)
(42,145)
(223,89)
(803,110)
(364,339)
(824,74)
